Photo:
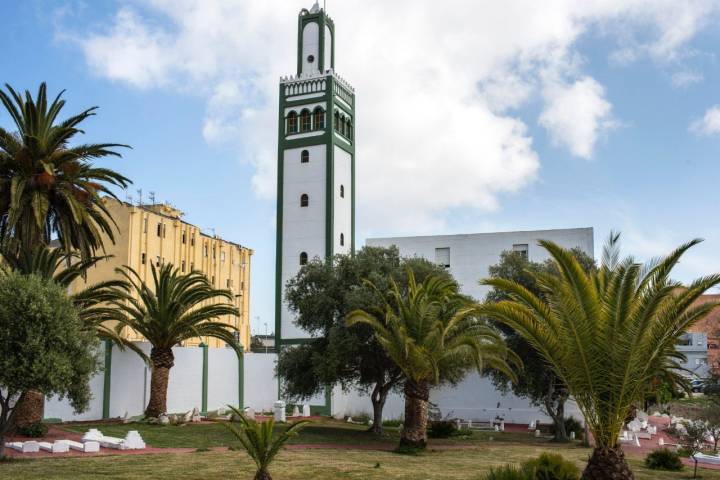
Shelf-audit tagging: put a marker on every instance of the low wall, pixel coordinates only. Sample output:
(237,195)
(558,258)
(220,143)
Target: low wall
(211,378)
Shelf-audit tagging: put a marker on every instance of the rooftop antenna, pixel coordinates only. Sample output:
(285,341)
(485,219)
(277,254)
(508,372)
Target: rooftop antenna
(139,192)
(152,197)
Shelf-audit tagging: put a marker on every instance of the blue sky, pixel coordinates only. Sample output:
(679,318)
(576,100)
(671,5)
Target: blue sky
(501,117)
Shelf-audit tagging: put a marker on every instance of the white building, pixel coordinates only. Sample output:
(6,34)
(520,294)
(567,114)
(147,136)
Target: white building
(469,256)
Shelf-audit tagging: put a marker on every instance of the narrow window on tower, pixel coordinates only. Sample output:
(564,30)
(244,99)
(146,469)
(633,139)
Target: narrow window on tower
(143,258)
(342,191)
(349,130)
(159,229)
(303,258)
(192,240)
(292,122)
(182,266)
(184,237)
(304,156)
(342,125)
(337,121)
(342,239)
(319,118)
(304,200)
(305,121)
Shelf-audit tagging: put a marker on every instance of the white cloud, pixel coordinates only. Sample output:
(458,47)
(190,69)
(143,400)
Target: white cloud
(436,129)
(576,114)
(709,124)
(685,78)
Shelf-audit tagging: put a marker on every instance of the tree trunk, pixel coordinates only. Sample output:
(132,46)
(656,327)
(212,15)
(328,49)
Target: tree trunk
(29,409)
(555,407)
(2,446)
(607,464)
(162,361)
(414,433)
(378,398)
(262,475)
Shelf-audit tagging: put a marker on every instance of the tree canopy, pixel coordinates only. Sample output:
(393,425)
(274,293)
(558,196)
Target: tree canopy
(321,295)
(44,346)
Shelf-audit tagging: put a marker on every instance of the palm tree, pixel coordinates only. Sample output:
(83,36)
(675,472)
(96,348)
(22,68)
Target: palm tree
(174,308)
(607,334)
(432,333)
(258,441)
(48,188)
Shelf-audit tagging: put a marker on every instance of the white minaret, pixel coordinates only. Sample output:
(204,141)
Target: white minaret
(316,163)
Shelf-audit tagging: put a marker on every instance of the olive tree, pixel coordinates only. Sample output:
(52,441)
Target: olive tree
(44,346)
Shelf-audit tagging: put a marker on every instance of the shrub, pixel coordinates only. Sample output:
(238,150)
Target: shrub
(547,466)
(551,466)
(442,429)
(508,472)
(663,459)
(571,425)
(33,430)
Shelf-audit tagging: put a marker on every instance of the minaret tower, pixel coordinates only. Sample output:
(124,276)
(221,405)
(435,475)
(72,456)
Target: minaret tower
(316,163)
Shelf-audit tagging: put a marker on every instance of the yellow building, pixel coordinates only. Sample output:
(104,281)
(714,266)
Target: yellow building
(156,234)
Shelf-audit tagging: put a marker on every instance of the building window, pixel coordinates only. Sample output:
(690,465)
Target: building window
(305,121)
(522,249)
(319,119)
(305,157)
(442,257)
(304,200)
(222,257)
(342,191)
(337,121)
(182,266)
(157,261)
(192,266)
(349,131)
(303,258)
(213,280)
(145,224)
(159,229)
(143,258)
(214,252)
(205,250)
(228,283)
(342,239)
(192,240)
(292,122)
(184,237)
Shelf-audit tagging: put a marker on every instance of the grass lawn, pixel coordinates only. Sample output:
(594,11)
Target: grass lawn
(319,432)
(471,458)
(467,463)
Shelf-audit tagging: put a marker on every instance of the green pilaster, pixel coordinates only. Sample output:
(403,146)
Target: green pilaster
(241,381)
(106,379)
(204,405)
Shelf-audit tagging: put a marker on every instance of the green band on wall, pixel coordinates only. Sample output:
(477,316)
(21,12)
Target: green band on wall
(204,379)
(106,382)
(241,381)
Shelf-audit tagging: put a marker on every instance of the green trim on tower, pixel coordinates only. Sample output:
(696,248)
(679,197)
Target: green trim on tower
(107,379)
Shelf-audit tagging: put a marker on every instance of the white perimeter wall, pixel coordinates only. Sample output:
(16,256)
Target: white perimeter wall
(261,386)
(130,383)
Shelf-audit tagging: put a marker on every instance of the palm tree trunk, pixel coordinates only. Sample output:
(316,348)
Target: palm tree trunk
(262,475)
(607,464)
(414,433)
(162,361)
(30,409)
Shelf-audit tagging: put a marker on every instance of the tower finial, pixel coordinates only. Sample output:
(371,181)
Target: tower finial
(315,8)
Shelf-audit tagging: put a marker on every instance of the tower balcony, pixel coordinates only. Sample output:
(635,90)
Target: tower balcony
(293,86)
